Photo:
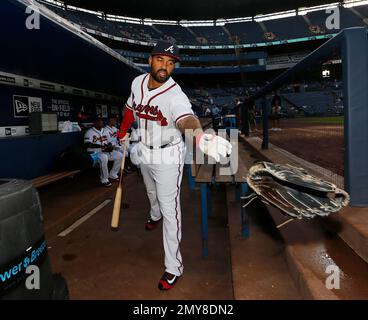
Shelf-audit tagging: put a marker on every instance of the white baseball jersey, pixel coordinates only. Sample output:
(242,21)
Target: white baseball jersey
(157,111)
(96,137)
(113,135)
(102,138)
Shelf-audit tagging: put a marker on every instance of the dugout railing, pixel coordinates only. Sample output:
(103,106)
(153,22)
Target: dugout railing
(351,45)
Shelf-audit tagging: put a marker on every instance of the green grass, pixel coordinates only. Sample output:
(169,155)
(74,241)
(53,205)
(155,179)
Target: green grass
(323,120)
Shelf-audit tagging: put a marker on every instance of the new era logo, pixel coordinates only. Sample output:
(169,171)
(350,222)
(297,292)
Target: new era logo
(171,49)
(20,106)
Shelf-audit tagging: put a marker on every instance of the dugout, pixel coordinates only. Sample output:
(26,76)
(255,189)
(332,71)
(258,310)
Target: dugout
(54,67)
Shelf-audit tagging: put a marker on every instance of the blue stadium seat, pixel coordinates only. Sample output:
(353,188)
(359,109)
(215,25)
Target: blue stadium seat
(248,32)
(319,18)
(137,31)
(350,19)
(363,10)
(292,27)
(179,33)
(245,32)
(214,34)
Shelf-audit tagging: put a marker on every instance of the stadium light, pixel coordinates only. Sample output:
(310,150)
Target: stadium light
(304,10)
(113,17)
(59,4)
(196,23)
(354,3)
(273,16)
(220,22)
(147,22)
(154,21)
(99,14)
(238,20)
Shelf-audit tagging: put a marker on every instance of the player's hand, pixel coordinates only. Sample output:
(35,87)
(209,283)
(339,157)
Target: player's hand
(124,140)
(214,146)
(108,148)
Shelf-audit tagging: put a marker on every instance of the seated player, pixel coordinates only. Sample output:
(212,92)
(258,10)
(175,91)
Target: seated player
(96,140)
(112,131)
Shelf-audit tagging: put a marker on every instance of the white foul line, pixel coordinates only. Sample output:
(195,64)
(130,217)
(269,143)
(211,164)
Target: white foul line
(84,218)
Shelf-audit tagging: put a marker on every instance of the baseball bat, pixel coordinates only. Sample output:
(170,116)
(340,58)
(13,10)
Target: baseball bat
(118,196)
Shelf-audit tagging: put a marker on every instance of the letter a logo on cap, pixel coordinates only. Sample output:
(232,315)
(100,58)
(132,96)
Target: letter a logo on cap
(171,49)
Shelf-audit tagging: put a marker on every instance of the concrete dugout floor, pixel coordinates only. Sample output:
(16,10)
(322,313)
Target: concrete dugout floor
(100,264)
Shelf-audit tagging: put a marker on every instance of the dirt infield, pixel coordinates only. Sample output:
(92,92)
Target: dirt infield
(321,144)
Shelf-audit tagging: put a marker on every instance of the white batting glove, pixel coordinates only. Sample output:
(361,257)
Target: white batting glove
(214,146)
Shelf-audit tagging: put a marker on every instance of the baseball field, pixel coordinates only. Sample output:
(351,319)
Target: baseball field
(317,140)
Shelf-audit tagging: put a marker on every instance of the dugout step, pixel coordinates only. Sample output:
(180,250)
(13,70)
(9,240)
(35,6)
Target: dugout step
(311,247)
(310,250)
(259,270)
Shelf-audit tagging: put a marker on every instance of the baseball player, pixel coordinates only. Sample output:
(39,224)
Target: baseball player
(163,112)
(112,130)
(97,140)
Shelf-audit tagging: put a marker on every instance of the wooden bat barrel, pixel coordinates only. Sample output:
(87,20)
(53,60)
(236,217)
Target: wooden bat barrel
(23,244)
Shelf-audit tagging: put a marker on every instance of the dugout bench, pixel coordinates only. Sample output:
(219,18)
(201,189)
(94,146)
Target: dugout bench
(53,177)
(206,175)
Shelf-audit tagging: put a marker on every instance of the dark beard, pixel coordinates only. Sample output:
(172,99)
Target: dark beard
(160,80)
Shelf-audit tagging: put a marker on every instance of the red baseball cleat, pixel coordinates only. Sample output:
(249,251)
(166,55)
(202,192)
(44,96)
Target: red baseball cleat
(167,281)
(151,224)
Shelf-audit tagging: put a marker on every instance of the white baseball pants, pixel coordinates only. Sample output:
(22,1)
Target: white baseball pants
(162,181)
(103,159)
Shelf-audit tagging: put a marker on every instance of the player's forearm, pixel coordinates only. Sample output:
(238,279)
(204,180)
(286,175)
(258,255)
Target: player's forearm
(128,120)
(190,123)
(191,127)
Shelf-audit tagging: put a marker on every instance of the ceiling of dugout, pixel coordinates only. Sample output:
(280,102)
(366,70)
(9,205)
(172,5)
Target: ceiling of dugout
(192,9)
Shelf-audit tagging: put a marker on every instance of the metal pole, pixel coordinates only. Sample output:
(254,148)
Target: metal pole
(355,93)
(265,123)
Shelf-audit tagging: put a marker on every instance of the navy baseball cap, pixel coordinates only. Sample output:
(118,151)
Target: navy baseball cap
(165,48)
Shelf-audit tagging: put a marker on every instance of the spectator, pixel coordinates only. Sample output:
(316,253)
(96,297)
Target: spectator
(97,142)
(251,108)
(215,111)
(210,101)
(276,111)
(216,118)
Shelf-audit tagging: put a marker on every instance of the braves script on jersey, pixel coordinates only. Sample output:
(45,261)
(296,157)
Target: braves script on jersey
(157,111)
(96,137)
(113,134)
